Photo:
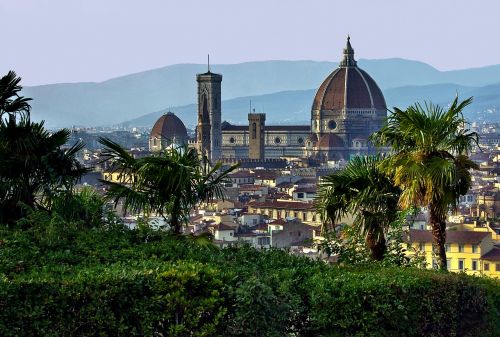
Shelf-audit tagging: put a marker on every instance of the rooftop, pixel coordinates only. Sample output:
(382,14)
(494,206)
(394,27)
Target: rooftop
(460,237)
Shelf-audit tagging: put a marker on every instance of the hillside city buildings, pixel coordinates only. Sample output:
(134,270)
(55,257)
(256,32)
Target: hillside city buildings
(269,200)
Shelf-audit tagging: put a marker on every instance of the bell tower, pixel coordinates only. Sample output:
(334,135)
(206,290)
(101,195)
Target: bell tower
(256,125)
(208,130)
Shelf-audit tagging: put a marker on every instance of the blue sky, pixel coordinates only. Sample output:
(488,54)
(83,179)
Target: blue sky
(49,41)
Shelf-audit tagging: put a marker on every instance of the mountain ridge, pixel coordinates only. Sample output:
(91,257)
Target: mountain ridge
(130,96)
(294,107)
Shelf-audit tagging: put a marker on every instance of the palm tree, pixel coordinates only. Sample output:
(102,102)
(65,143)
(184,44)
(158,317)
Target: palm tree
(11,103)
(34,166)
(362,190)
(430,160)
(169,184)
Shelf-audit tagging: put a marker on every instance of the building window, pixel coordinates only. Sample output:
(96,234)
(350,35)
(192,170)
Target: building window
(461,248)
(474,248)
(300,140)
(232,140)
(448,264)
(497,267)
(486,266)
(332,125)
(461,264)
(254,130)
(277,140)
(474,264)
(421,246)
(447,247)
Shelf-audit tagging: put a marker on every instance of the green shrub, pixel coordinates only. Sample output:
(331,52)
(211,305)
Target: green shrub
(58,280)
(183,299)
(402,302)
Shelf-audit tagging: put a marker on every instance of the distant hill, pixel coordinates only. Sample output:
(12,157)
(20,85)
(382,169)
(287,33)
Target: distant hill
(128,97)
(294,107)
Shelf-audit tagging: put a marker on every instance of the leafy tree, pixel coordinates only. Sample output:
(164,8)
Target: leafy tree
(34,166)
(84,206)
(169,184)
(430,160)
(362,190)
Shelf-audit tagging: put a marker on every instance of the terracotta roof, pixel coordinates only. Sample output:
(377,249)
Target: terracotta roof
(492,255)
(285,184)
(330,140)
(241,174)
(169,126)
(307,180)
(278,222)
(264,174)
(306,189)
(460,237)
(224,226)
(261,227)
(250,187)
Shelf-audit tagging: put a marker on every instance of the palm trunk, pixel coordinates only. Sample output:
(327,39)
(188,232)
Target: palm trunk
(174,218)
(439,233)
(376,245)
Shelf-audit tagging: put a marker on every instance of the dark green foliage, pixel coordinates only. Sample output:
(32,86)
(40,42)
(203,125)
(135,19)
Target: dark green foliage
(34,166)
(402,302)
(57,279)
(169,184)
(429,160)
(362,190)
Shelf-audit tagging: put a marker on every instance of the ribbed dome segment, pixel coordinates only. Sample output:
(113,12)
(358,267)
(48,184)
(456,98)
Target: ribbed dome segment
(348,87)
(170,127)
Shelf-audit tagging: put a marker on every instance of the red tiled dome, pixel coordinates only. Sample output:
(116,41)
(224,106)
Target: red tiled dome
(348,87)
(170,127)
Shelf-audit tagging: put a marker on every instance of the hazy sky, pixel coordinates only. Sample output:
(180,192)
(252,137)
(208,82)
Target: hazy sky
(48,41)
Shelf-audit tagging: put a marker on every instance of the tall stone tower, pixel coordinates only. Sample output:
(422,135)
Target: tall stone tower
(256,124)
(208,130)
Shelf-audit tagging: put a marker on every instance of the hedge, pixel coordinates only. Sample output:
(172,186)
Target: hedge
(126,283)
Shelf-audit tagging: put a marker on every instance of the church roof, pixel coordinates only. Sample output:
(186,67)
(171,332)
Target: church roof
(169,126)
(226,126)
(348,87)
(329,140)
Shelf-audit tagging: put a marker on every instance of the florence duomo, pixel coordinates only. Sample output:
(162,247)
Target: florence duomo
(336,172)
(347,108)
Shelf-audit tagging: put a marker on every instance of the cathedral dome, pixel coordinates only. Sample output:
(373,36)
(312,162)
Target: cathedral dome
(171,128)
(348,87)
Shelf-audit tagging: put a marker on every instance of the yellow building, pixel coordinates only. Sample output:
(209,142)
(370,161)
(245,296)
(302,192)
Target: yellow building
(281,209)
(466,251)
(116,176)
